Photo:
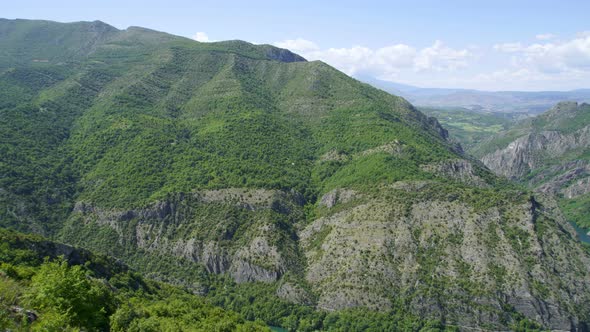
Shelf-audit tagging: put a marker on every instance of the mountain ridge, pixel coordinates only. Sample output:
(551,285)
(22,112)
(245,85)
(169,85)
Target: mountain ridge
(528,102)
(549,153)
(220,168)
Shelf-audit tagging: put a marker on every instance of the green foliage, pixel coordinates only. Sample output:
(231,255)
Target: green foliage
(364,173)
(577,210)
(83,302)
(470,128)
(522,324)
(565,118)
(146,114)
(180,312)
(64,297)
(258,301)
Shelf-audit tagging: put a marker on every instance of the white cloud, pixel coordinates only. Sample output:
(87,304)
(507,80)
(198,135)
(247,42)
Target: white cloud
(439,57)
(298,45)
(570,55)
(508,47)
(386,61)
(528,79)
(545,36)
(399,55)
(201,37)
(545,64)
(549,64)
(350,60)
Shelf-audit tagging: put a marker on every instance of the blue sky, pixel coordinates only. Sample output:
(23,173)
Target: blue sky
(492,45)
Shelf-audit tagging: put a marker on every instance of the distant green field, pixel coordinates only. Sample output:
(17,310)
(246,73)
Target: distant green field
(468,127)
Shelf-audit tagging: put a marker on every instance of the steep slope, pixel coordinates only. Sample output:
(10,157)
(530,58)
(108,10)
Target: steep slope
(48,286)
(229,163)
(548,153)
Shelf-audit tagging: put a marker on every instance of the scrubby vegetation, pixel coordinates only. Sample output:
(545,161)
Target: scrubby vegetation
(52,294)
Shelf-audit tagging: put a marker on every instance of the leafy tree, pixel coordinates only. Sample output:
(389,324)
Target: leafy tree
(71,296)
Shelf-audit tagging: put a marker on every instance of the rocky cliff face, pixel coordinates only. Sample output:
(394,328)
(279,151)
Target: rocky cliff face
(549,153)
(532,151)
(413,244)
(459,170)
(384,251)
(568,179)
(231,231)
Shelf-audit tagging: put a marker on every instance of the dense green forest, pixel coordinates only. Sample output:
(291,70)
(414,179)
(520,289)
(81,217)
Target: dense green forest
(149,114)
(42,290)
(246,187)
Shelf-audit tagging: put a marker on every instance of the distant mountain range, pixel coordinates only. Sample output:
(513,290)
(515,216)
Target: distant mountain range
(475,100)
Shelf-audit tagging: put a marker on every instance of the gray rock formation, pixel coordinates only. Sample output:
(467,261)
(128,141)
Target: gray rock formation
(294,293)
(408,248)
(460,170)
(338,196)
(530,152)
(444,258)
(182,227)
(549,154)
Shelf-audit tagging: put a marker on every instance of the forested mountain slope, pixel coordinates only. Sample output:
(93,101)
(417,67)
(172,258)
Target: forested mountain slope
(47,286)
(240,164)
(549,153)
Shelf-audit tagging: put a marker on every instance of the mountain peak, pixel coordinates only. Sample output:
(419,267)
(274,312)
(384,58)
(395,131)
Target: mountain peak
(283,55)
(563,110)
(265,51)
(565,105)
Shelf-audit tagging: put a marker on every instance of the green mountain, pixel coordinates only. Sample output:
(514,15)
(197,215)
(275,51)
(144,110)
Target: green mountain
(276,187)
(47,286)
(550,153)
(503,102)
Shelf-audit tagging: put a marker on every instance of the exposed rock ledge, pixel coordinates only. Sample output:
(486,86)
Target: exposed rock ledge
(338,196)
(527,152)
(460,170)
(257,258)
